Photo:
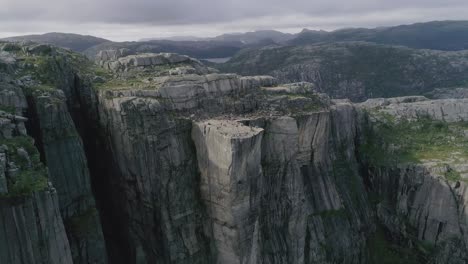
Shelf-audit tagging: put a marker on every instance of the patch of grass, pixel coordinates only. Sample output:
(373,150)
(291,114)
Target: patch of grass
(21,142)
(30,91)
(27,182)
(390,141)
(452,175)
(32,175)
(118,84)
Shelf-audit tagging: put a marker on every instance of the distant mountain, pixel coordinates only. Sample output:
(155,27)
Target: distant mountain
(256,37)
(196,49)
(248,38)
(356,70)
(74,42)
(175,38)
(438,35)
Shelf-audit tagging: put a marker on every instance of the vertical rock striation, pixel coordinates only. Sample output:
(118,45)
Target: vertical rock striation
(31,227)
(68,170)
(229,156)
(32,230)
(192,166)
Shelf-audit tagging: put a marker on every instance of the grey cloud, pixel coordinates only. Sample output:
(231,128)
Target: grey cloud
(130,19)
(170,12)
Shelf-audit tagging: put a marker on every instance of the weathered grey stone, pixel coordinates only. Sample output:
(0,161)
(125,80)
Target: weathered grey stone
(229,156)
(3,168)
(32,231)
(212,168)
(449,110)
(39,49)
(12,96)
(182,71)
(449,93)
(68,169)
(430,204)
(176,58)
(253,82)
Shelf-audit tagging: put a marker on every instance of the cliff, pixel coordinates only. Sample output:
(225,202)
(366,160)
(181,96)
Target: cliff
(173,162)
(29,88)
(31,226)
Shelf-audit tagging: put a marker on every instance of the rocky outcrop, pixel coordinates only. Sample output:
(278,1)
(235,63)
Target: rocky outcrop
(120,60)
(192,166)
(107,55)
(266,192)
(449,93)
(229,160)
(423,200)
(419,204)
(258,81)
(43,70)
(448,110)
(12,99)
(355,70)
(153,185)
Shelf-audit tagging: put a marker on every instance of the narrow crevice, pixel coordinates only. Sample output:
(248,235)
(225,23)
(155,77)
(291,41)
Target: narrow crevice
(102,170)
(33,127)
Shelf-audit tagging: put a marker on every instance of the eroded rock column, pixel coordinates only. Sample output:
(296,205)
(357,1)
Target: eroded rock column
(229,159)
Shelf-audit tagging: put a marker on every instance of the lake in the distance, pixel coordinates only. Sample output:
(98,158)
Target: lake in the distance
(218,60)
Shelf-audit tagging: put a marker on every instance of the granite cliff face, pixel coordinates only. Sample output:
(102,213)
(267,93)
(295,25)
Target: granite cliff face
(188,165)
(66,213)
(32,230)
(238,145)
(421,184)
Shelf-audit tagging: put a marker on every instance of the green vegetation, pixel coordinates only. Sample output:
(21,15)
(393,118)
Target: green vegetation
(138,79)
(54,67)
(393,141)
(382,251)
(389,142)
(27,182)
(40,88)
(452,175)
(120,84)
(32,175)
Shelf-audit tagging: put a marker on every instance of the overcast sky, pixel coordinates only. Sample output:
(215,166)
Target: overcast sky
(134,19)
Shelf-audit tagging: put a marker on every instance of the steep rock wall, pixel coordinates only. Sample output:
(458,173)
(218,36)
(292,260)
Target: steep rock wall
(32,230)
(31,227)
(260,197)
(68,169)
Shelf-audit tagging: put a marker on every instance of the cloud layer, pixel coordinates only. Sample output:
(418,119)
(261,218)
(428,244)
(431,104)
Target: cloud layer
(133,19)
